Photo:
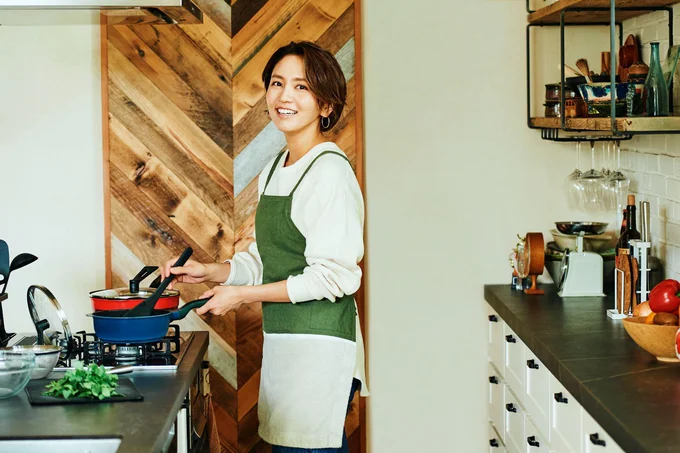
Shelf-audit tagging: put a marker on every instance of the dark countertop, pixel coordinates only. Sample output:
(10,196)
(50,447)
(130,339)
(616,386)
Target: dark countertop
(143,425)
(632,396)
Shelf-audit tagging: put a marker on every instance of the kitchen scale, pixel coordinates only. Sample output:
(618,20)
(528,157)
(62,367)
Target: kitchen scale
(581,273)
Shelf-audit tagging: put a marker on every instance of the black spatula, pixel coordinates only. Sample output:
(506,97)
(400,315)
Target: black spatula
(19,261)
(4,260)
(145,307)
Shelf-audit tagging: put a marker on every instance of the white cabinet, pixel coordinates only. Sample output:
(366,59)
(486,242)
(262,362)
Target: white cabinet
(496,341)
(496,400)
(530,411)
(515,418)
(515,365)
(565,430)
(535,442)
(537,399)
(595,439)
(495,443)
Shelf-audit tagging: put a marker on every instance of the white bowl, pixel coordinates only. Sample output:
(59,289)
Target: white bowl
(591,243)
(46,357)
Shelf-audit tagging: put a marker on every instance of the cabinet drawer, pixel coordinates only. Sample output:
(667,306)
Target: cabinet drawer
(515,365)
(495,443)
(595,439)
(496,340)
(535,442)
(514,425)
(537,398)
(565,419)
(497,400)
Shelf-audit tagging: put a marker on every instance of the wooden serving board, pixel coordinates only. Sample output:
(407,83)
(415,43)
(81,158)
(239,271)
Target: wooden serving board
(35,388)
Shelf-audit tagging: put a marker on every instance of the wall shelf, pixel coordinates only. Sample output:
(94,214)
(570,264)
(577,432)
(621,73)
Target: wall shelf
(637,124)
(550,15)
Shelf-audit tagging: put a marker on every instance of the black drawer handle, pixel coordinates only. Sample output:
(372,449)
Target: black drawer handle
(493,379)
(510,407)
(531,440)
(494,443)
(560,399)
(510,339)
(493,318)
(595,439)
(532,364)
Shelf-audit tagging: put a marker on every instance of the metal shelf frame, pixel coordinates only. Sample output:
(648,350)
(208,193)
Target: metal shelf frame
(616,134)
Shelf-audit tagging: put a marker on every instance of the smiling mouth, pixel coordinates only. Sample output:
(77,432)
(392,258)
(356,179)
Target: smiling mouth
(285,113)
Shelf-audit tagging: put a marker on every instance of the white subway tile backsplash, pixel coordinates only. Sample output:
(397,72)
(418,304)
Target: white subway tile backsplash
(676,211)
(666,164)
(646,183)
(673,233)
(639,162)
(661,207)
(625,159)
(673,187)
(659,185)
(652,163)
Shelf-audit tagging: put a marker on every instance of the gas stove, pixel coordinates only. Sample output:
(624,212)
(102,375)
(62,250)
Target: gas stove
(85,348)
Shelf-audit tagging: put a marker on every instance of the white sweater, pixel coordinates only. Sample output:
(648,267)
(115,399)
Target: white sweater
(328,209)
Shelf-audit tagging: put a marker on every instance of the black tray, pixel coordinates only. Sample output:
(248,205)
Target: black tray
(35,389)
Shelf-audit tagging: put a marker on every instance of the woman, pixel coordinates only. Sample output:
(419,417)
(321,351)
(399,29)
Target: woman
(304,262)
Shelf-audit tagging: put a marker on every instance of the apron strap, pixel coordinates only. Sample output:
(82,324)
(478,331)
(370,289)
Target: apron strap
(271,172)
(310,166)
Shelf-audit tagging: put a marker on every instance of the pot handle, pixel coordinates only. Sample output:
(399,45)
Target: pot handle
(141,275)
(186,308)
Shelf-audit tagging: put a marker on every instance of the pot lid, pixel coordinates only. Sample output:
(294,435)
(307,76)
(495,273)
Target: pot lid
(48,317)
(134,291)
(125,293)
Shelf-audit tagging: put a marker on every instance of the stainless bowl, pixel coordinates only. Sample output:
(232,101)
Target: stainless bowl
(15,372)
(578,227)
(46,357)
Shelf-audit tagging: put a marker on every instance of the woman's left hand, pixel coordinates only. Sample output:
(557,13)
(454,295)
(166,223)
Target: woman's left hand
(224,299)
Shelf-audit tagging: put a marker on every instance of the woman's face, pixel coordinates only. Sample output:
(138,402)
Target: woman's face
(291,105)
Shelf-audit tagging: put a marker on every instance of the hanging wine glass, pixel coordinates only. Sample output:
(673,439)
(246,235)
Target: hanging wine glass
(619,185)
(591,181)
(573,185)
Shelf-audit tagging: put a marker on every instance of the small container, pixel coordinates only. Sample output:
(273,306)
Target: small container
(46,357)
(552,109)
(553,92)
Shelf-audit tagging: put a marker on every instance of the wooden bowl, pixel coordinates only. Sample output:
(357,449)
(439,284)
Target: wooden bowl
(657,340)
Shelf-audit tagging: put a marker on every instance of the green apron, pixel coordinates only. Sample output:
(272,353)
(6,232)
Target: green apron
(282,250)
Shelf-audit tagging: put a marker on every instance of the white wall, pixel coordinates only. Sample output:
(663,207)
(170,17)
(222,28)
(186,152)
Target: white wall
(51,162)
(453,174)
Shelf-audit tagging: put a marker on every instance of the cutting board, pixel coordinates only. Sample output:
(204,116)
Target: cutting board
(35,389)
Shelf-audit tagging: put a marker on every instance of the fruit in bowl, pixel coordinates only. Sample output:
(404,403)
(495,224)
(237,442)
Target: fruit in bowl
(654,326)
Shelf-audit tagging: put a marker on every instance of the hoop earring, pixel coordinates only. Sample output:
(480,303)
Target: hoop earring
(328,122)
(266,112)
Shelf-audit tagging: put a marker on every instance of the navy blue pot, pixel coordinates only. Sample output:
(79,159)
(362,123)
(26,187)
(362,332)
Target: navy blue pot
(113,327)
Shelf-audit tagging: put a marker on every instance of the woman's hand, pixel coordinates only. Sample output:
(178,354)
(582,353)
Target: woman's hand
(191,272)
(224,299)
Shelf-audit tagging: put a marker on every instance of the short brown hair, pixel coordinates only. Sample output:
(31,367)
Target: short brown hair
(323,73)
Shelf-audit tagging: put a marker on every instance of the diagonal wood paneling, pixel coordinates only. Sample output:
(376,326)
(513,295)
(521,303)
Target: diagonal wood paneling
(186,137)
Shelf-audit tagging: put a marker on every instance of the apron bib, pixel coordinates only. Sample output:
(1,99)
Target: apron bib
(309,349)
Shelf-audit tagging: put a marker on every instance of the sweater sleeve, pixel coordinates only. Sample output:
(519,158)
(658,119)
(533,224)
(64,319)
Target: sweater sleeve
(333,227)
(246,268)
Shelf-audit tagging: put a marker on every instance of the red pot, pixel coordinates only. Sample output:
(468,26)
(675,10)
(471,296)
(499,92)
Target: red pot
(126,298)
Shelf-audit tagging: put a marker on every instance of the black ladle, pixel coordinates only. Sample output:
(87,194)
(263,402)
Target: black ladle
(19,261)
(145,307)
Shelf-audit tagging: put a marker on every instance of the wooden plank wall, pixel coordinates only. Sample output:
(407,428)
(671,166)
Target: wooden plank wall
(185,138)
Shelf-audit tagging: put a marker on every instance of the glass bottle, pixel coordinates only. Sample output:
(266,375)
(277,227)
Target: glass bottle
(623,247)
(656,90)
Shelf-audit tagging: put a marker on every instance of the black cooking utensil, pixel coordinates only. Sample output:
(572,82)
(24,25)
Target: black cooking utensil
(4,260)
(145,307)
(19,261)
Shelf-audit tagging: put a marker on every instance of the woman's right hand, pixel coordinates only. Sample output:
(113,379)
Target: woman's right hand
(191,272)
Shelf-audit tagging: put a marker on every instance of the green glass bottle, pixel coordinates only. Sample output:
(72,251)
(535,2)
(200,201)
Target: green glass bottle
(656,90)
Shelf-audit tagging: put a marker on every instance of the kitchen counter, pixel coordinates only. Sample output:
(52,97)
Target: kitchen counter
(632,396)
(143,426)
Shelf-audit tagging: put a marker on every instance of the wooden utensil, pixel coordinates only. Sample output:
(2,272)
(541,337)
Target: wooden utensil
(605,63)
(634,275)
(582,65)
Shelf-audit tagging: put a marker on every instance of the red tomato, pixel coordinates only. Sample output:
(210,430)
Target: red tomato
(664,297)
